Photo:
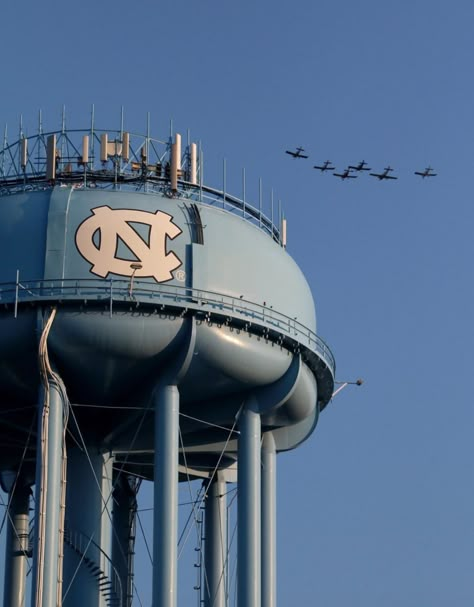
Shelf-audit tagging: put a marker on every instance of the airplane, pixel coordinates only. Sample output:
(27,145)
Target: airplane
(325,167)
(297,153)
(345,174)
(428,172)
(385,174)
(361,166)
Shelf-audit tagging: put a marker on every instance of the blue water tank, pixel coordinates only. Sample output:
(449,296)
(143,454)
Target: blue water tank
(135,275)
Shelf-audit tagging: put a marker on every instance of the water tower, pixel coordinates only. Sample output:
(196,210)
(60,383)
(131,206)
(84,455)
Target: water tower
(151,327)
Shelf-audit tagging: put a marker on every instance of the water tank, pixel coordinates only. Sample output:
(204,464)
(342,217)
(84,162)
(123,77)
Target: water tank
(151,327)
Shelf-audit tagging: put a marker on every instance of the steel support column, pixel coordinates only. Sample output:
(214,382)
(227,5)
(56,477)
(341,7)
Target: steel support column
(165,517)
(48,499)
(268,521)
(124,514)
(215,556)
(89,529)
(16,548)
(249,527)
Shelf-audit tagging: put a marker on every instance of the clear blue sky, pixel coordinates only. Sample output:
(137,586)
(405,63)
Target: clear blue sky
(377,508)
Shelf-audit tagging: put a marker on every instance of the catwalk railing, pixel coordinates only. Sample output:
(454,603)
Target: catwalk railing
(117,292)
(145,167)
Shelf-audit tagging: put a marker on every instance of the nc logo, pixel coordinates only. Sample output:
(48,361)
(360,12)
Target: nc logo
(99,236)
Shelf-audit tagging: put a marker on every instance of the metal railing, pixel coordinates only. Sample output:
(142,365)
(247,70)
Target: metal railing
(23,167)
(119,291)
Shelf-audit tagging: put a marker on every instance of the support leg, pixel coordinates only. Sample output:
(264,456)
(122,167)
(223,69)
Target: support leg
(16,560)
(268,521)
(165,518)
(249,538)
(89,528)
(48,500)
(216,545)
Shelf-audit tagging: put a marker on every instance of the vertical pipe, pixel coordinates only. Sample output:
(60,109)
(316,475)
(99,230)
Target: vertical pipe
(174,168)
(165,516)
(279,218)
(40,132)
(104,473)
(17,287)
(177,140)
(48,499)
(16,559)
(23,153)
(215,555)
(92,132)
(193,164)
(51,158)
(249,513)
(5,139)
(268,521)
(124,512)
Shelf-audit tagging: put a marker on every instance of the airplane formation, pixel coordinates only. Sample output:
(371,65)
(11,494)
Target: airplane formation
(351,171)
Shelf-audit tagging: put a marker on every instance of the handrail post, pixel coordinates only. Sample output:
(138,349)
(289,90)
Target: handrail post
(17,286)
(110,295)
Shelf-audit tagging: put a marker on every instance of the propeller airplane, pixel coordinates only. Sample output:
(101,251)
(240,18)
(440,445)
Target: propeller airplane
(384,174)
(298,153)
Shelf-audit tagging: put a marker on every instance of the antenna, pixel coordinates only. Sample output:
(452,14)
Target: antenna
(126,147)
(85,150)
(175,162)
(104,145)
(23,152)
(51,158)
(193,162)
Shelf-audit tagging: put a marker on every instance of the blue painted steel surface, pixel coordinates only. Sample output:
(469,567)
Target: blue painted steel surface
(269,522)
(174,303)
(94,253)
(249,508)
(165,513)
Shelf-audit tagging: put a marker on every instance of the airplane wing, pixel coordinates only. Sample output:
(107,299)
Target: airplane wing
(291,153)
(390,177)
